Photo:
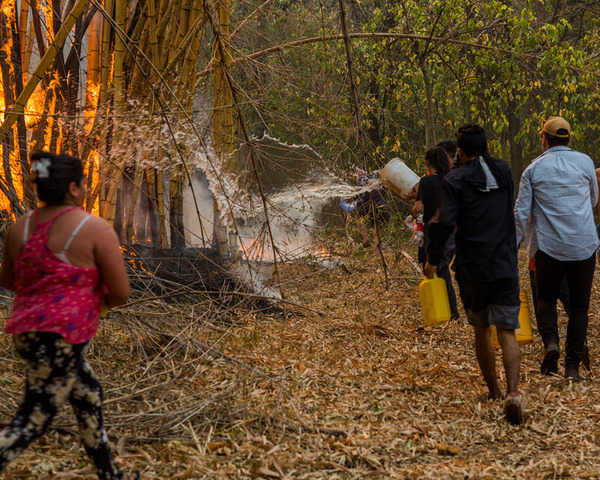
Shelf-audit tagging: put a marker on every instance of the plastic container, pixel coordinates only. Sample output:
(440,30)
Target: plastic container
(348,204)
(417,231)
(434,301)
(523,333)
(397,176)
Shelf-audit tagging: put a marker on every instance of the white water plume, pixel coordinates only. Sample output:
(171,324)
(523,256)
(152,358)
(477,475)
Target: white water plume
(297,188)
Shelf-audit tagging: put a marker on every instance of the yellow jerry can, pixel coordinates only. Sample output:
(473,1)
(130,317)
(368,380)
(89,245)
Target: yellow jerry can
(524,333)
(434,301)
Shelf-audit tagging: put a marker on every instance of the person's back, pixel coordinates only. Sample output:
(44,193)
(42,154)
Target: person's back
(562,180)
(57,254)
(93,246)
(485,235)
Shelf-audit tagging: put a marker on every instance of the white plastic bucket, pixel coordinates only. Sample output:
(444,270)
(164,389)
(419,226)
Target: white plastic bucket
(397,176)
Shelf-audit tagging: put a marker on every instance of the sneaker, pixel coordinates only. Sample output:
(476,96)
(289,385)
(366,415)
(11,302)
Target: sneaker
(572,374)
(513,409)
(550,361)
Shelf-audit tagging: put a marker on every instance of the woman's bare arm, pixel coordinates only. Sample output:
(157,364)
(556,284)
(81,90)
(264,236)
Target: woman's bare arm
(110,262)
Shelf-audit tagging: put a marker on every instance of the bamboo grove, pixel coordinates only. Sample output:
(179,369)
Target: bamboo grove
(112,82)
(147,92)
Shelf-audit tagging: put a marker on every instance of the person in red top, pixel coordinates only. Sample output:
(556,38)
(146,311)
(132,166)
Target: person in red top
(63,264)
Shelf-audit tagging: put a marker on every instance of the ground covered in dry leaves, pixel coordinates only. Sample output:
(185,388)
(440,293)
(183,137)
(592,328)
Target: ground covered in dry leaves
(344,382)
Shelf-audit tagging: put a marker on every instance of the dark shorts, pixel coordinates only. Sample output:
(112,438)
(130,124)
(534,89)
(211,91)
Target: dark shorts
(491,303)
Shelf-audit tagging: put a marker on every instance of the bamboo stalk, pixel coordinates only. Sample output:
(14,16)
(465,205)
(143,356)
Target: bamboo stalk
(23,17)
(198,19)
(136,34)
(223,55)
(191,37)
(152,27)
(160,203)
(135,195)
(36,77)
(361,135)
(103,96)
(184,18)
(110,207)
(170,40)
(21,152)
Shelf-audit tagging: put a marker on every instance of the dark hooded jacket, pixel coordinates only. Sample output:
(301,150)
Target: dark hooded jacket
(480,207)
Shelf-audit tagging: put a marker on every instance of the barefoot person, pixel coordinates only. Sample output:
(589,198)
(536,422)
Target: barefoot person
(477,200)
(62,263)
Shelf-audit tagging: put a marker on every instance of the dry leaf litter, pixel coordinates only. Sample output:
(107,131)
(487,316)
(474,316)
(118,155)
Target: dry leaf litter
(344,382)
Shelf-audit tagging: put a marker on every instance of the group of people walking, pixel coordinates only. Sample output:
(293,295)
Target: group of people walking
(64,264)
(553,214)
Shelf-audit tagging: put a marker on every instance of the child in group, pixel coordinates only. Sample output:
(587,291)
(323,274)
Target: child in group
(63,264)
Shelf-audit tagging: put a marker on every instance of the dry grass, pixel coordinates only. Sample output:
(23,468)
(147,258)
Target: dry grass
(355,387)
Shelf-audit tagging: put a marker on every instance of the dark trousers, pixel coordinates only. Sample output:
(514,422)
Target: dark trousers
(57,372)
(549,273)
(444,273)
(563,295)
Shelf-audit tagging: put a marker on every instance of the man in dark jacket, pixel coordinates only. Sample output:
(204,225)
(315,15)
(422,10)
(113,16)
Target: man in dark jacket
(477,200)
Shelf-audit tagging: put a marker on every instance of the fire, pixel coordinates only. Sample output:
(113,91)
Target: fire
(322,253)
(255,249)
(91,102)
(2,103)
(94,165)
(34,108)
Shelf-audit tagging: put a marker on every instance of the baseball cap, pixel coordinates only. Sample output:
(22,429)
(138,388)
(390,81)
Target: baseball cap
(558,127)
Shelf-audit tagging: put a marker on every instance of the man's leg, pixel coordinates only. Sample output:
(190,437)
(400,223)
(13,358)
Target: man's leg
(486,357)
(579,277)
(511,358)
(445,274)
(548,275)
(533,291)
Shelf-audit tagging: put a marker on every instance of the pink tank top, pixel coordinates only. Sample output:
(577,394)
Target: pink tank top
(53,295)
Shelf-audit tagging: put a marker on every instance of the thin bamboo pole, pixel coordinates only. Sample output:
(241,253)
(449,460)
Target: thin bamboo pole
(152,27)
(110,206)
(220,45)
(36,77)
(361,135)
(176,174)
(104,99)
(23,17)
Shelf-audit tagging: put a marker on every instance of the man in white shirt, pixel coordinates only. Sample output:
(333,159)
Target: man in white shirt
(554,212)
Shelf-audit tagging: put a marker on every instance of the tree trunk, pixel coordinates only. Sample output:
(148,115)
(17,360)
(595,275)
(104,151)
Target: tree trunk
(430,139)
(515,148)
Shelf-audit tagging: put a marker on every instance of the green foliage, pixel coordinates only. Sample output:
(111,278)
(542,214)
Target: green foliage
(505,64)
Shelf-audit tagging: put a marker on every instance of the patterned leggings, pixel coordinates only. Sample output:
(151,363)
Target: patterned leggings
(57,371)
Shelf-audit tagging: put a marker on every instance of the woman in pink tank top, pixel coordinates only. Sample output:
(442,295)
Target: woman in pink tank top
(63,264)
